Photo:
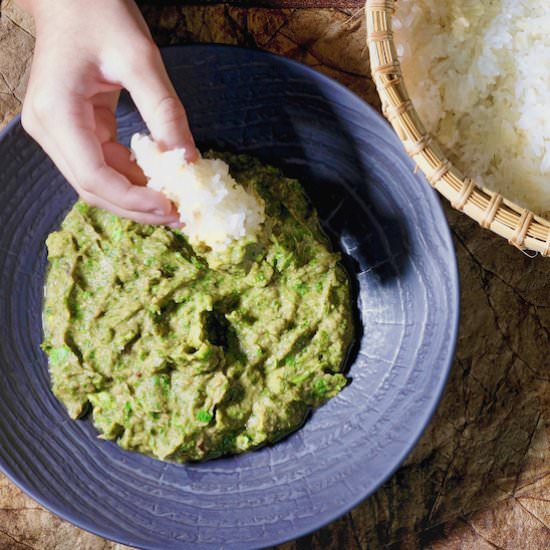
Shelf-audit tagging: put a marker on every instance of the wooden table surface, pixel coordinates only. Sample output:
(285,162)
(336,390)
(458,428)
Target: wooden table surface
(480,476)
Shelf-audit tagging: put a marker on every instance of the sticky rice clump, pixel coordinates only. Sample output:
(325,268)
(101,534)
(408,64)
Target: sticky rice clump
(478,72)
(214,208)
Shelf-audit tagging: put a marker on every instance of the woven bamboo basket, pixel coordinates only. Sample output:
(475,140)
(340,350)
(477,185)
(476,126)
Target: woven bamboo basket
(521,227)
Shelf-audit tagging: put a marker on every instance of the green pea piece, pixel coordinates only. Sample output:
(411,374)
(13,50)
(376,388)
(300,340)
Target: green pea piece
(204,416)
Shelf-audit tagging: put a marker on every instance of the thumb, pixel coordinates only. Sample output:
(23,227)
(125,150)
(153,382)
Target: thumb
(159,104)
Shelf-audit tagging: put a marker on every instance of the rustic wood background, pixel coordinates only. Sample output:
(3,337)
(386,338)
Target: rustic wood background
(480,476)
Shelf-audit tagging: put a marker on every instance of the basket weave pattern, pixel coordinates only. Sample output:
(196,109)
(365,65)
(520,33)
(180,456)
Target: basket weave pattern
(521,227)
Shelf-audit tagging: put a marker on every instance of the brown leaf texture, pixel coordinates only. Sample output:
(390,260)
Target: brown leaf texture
(480,476)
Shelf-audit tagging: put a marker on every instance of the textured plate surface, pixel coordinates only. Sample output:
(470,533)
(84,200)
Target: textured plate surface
(397,247)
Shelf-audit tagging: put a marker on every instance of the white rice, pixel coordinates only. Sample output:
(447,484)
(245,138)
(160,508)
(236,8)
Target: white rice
(478,72)
(213,207)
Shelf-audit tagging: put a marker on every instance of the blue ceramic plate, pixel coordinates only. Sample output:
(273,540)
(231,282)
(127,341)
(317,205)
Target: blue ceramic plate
(396,243)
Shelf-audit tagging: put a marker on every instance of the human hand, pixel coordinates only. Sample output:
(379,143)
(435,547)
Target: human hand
(85,53)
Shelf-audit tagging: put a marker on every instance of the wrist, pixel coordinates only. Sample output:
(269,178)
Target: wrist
(29,6)
(37,7)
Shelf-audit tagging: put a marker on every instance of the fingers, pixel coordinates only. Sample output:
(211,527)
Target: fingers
(115,154)
(118,157)
(158,103)
(84,155)
(141,217)
(70,141)
(93,200)
(105,124)
(108,100)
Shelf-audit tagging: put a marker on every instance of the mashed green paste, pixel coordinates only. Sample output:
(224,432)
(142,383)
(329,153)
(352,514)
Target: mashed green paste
(188,354)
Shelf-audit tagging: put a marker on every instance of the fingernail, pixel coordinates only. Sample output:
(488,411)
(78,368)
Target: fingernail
(160,212)
(176,225)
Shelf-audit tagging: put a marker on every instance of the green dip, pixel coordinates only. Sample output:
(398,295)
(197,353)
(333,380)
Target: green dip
(188,354)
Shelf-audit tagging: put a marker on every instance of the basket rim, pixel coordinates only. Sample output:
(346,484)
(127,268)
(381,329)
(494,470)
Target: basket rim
(520,226)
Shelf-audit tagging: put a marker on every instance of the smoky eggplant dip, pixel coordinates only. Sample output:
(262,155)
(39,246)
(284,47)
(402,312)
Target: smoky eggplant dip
(187,353)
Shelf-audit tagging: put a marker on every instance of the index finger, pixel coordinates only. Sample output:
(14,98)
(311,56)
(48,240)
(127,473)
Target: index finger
(159,104)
